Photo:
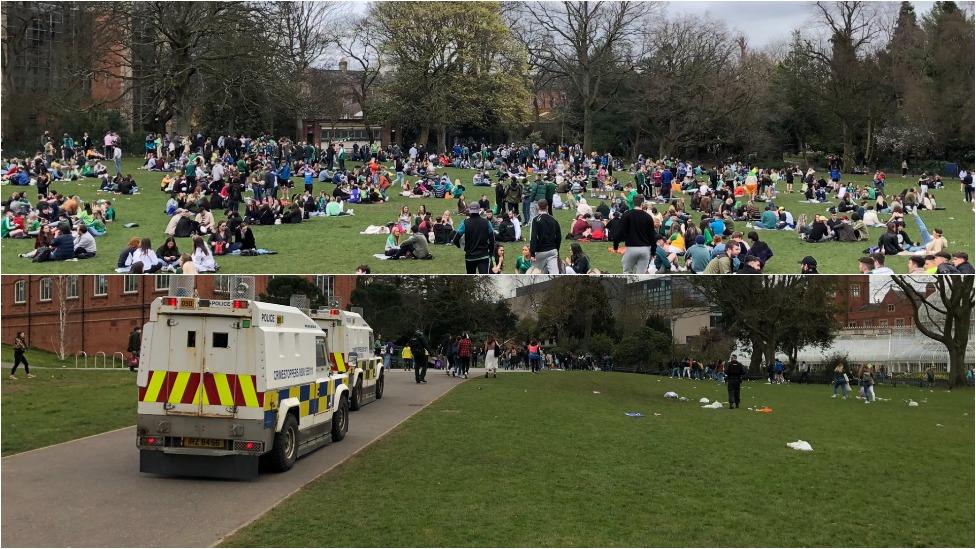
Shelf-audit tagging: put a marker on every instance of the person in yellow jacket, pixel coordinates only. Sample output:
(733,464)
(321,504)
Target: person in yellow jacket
(407,355)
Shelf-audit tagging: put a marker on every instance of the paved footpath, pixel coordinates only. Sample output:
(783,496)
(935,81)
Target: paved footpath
(90,493)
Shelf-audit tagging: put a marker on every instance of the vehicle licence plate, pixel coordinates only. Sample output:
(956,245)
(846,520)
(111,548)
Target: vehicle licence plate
(188,303)
(190,442)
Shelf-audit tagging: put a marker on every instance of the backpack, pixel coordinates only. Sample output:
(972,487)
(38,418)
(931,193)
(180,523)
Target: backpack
(506,231)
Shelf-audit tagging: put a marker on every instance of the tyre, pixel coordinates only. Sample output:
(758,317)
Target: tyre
(379,387)
(357,396)
(285,451)
(340,420)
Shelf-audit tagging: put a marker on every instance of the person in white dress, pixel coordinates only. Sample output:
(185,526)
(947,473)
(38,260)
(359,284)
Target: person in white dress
(492,350)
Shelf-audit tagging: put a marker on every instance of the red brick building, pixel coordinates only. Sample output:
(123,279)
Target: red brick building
(101,310)
(858,311)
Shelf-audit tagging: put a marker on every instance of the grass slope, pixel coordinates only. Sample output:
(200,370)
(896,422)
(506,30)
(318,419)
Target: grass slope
(544,461)
(61,405)
(335,245)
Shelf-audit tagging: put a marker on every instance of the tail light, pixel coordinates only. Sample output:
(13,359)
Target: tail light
(169,301)
(152,441)
(255,446)
(334,312)
(240,304)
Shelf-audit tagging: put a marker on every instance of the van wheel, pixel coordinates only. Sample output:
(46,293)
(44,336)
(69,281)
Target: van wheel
(340,420)
(357,396)
(285,451)
(379,387)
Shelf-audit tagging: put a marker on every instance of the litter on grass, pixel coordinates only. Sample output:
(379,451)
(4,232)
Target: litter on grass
(912,403)
(939,425)
(683,399)
(713,406)
(703,400)
(765,410)
(656,414)
(633,414)
(800,445)
(670,394)
(596,392)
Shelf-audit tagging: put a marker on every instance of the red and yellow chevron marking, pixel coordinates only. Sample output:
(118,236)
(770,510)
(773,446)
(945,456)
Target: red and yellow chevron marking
(216,389)
(338,361)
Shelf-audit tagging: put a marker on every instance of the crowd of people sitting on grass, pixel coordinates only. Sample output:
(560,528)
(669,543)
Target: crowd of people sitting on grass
(63,227)
(672,217)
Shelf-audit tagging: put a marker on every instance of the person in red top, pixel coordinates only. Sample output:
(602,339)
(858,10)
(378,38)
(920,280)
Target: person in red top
(535,355)
(464,353)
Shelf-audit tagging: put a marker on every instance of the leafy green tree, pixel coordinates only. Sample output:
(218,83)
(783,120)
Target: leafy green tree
(281,288)
(644,350)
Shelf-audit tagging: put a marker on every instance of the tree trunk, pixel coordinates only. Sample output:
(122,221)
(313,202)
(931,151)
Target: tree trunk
(441,138)
(299,130)
(869,143)
(755,360)
(957,367)
(848,148)
(769,351)
(424,136)
(587,128)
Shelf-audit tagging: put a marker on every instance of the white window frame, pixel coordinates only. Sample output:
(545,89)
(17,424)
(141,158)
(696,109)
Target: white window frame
(97,281)
(71,287)
(45,290)
(891,308)
(125,284)
(882,323)
(855,290)
(20,291)
(161,287)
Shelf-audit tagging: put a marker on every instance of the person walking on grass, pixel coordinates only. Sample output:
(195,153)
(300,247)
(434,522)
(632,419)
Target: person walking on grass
(867,382)
(20,347)
(840,381)
(535,355)
(733,381)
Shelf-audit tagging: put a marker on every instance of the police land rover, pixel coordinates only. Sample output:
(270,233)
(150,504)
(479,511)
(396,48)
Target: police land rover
(226,384)
(350,344)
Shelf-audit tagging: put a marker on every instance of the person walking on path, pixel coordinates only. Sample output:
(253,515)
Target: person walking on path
(464,356)
(419,349)
(135,344)
(544,240)
(491,356)
(20,347)
(733,381)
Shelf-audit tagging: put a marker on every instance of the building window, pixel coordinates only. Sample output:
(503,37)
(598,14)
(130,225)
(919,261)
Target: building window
(852,324)
(162,283)
(883,323)
(867,323)
(71,287)
(891,308)
(900,322)
(222,284)
(45,289)
(130,284)
(100,284)
(855,290)
(20,292)
(327,285)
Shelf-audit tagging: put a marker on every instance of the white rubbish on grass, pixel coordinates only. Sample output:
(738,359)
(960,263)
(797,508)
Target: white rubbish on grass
(939,425)
(656,414)
(800,445)
(713,406)
(683,399)
(912,403)
(703,400)
(596,392)
(670,394)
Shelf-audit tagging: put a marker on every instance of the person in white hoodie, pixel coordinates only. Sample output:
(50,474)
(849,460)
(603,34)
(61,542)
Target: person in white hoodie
(144,254)
(202,258)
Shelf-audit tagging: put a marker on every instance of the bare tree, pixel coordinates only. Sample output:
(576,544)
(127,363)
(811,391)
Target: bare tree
(61,285)
(361,43)
(586,45)
(943,308)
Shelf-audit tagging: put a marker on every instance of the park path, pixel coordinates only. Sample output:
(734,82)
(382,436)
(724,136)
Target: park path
(90,493)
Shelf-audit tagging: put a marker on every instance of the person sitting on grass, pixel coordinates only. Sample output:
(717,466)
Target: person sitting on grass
(186,265)
(146,257)
(10,228)
(85,246)
(202,257)
(169,253)
(414,247)
(578,262)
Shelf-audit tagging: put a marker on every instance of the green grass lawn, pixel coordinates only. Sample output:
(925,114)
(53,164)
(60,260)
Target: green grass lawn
(61,405)
(545,461)
(335,246)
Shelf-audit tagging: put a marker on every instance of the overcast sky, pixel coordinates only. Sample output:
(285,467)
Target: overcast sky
(766,23)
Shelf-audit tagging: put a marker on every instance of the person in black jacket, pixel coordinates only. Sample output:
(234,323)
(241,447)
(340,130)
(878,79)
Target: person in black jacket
(888,242)
(733,381)
(759,248)
(479,240)
(545,240)
(420,348)
(961,261)
(636,230)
